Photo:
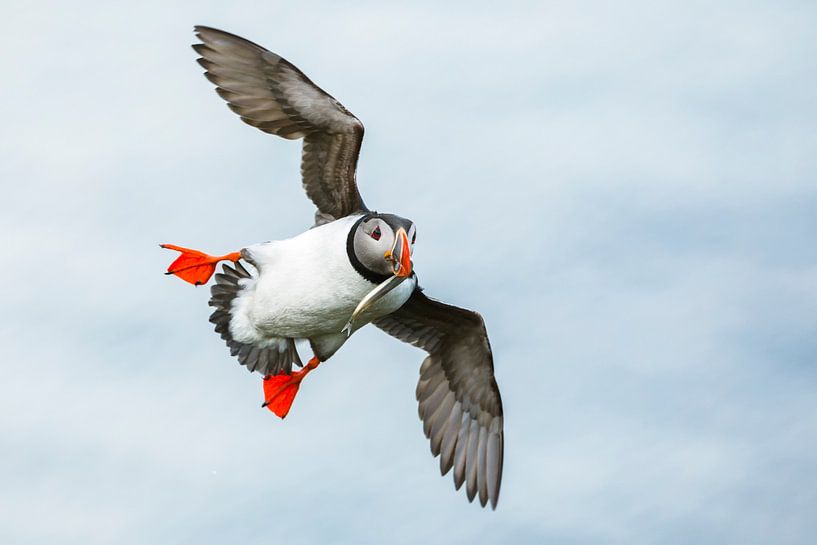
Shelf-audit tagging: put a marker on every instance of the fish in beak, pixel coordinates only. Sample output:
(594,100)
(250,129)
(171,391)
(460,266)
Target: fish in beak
(370,299)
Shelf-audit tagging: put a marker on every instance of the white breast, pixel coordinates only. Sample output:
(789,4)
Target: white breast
(306,287)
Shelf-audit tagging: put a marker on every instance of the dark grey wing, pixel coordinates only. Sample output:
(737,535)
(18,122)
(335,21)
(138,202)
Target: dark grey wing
(459,400)
(273,95)
(269,358)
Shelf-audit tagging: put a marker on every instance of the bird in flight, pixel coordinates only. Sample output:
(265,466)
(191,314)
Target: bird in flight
(352,268)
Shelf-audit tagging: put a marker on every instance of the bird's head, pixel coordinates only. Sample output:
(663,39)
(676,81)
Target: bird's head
(383,244)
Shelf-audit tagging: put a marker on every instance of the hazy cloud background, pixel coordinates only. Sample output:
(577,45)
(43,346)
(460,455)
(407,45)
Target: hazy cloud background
(626,191)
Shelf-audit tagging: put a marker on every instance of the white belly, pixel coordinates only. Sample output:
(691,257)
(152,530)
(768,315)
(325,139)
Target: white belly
(306,287)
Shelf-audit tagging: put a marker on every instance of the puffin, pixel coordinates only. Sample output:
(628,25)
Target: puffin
(351,268)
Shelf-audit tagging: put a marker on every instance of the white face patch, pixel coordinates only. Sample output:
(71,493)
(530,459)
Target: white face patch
(372,240)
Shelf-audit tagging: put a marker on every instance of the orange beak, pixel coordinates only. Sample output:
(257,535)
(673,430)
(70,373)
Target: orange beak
(400,254)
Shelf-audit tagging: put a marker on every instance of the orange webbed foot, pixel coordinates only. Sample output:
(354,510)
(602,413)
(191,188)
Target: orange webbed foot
(194,266)
(280,390)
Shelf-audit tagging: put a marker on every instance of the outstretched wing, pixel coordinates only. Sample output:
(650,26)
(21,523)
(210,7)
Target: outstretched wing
(268,356)
(273,95)
(459,400)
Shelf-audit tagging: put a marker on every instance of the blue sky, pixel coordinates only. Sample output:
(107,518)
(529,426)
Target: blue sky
(626,192)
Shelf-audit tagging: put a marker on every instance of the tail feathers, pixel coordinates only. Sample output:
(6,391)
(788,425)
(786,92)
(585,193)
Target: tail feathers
(273,358)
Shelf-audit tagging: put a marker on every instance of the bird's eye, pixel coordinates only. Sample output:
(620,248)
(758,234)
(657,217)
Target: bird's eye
(376,233)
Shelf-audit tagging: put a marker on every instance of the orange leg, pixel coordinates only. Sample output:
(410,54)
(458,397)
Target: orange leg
(194,266)
(280,390)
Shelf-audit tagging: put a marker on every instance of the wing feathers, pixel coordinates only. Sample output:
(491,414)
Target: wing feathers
(461,452)
(271,358)
(459,401)
(482,469)
(439,422)
(450,439)
(471,461)
(493,459)
(271,94)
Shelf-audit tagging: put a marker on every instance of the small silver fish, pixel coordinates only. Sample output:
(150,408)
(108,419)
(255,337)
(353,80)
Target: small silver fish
(371,298)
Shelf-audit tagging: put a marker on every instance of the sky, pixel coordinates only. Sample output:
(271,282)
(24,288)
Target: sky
(625,191)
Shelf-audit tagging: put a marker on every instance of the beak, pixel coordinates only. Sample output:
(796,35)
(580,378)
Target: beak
(400,254)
